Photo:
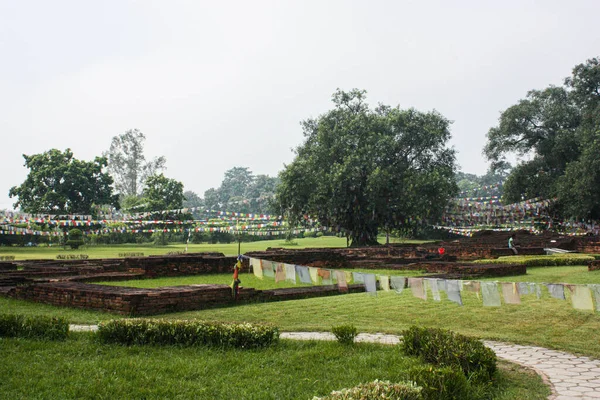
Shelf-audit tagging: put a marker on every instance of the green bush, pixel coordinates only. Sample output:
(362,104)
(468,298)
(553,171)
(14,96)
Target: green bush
(319,234)
(75,238)
(186,333)
(445,348)
(310,234)
(39,327)
(345,334)
(541,261)
(377,390)
(445,383)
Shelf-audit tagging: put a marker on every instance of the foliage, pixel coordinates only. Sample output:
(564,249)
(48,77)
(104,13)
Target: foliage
(445,383)
(242,191)
(345,334)
(473,184)
(445,348)
(361,170)
(127,163)
(39,327)
(557,131)
(58,183)
(75,238)
(187,333)
(377,390)
(162,193)
(541,261)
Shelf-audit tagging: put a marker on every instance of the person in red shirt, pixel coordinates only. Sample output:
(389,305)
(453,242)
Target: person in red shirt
(441,251)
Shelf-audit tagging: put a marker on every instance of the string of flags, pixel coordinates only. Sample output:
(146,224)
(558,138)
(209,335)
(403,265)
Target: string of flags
(490,293)
(250,230)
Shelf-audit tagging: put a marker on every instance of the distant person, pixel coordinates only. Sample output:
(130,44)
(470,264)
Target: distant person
(441,251)
(511,244)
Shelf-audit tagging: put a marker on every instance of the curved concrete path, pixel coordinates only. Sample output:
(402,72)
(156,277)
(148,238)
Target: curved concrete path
(569,376)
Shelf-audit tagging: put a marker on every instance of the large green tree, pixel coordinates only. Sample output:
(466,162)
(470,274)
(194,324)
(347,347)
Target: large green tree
(555,130)
(127,163)
(162,193)
(58,183)
(360,170)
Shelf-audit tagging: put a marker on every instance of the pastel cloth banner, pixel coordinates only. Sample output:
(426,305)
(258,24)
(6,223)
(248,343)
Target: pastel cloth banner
(325,275)
(510,293)
(348,276)
(257,267)
(303,274)
(290,273)
(341,279)
(435,292)
(398,283)
(472,286)
(581,297)
(595,288)
(357,277)
(279,273)
(417,288)
(453,291)
(370,283)
(314,274)
(490,294)
(384,282)
(556,290)
(268,269)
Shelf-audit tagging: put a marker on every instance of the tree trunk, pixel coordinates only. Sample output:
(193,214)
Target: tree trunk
(364,238)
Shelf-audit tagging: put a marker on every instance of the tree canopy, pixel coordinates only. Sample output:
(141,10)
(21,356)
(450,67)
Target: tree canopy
(58,183)
(557,131)
(242,191)
(162,193)
(360,170)
(127,163)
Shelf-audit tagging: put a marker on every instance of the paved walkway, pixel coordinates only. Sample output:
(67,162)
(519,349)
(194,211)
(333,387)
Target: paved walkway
(569,376)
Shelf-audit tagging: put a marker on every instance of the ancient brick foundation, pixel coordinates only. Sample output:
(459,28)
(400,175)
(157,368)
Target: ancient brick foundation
(133,301)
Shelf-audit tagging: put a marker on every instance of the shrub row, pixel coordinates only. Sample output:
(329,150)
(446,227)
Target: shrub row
(186,333)
(449,349)
(377,390)
(38,327)
(547,261)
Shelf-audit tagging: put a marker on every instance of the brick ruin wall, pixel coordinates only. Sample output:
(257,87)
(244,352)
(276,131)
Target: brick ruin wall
(136,302)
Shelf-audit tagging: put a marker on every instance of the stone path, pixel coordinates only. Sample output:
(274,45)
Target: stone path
(569,376)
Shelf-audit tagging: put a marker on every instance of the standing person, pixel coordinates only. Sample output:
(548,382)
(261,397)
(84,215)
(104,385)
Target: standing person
(235,285)
(511,244)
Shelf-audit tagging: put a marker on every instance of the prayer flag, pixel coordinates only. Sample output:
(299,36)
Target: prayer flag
(398,283)
(490,294)
(417,288)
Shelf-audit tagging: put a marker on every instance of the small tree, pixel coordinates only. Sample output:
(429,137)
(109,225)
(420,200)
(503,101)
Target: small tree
(75,238)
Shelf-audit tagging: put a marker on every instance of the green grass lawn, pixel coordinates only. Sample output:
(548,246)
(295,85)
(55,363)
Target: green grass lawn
(229,249)
(81,368)
(569,274)
(248,280)
(545,322)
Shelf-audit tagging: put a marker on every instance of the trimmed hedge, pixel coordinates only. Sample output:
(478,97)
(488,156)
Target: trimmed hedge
(38,327)
(445,348)
(186,333)
(541,261)
(377,390)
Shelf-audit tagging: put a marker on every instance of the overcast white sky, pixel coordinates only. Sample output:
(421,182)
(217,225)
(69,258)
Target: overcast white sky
(215,85)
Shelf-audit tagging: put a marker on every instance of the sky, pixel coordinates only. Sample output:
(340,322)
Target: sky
(214,85)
